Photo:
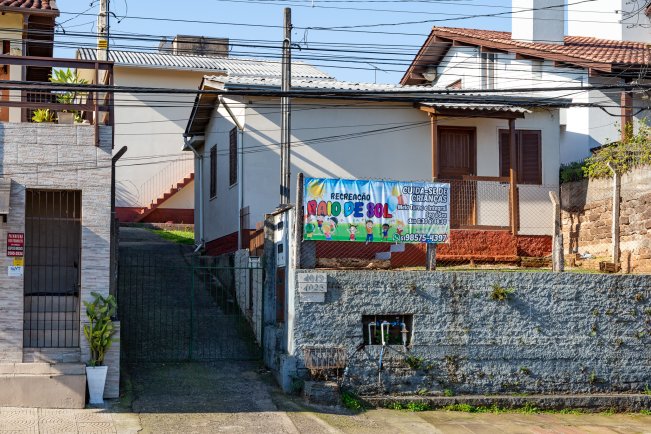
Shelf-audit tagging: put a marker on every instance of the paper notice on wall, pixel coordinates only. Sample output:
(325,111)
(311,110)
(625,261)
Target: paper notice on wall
(15,271)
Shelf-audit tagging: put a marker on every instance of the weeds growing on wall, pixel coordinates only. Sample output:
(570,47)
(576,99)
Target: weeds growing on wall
(351,401)
(500,293)
(624,156)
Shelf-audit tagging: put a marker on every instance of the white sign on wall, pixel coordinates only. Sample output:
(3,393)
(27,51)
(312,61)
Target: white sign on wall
(313,287)
(15,271)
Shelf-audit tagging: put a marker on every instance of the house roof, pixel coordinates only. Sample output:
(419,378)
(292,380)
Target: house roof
(421,97)
(597,55)
(234,82)
(43,7)
(225,65)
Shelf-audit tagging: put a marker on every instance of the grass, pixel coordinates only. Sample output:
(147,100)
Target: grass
(351,401)
(526,409)
(411,406)
(179,237)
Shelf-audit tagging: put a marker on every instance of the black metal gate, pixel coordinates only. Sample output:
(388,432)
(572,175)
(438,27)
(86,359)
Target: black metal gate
(193,311)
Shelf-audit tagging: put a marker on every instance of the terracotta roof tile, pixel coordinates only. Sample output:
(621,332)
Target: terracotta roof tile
(579,48)
(48,6)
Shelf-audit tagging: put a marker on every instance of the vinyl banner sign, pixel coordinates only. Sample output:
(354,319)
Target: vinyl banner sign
(376,211)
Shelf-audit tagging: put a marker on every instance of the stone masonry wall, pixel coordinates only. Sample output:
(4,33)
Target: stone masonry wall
(587,218)
(557,333)
(51,156)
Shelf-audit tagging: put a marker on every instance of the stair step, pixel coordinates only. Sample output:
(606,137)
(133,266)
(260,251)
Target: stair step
(397,248)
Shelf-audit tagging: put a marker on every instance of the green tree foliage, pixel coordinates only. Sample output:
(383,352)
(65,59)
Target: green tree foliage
(624,156)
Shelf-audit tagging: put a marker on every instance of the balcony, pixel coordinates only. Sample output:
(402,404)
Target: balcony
(20,99)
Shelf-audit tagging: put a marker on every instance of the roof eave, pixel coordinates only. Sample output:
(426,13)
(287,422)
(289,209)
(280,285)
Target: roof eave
(29,11)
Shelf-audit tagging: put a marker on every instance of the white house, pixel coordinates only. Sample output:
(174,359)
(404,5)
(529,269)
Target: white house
(386,132)
(538,55)
(154,179)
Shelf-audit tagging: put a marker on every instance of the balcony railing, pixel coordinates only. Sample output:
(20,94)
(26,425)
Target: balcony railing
(92,105)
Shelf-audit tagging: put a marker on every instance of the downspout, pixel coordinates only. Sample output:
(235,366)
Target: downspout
(198,156)
(240,168)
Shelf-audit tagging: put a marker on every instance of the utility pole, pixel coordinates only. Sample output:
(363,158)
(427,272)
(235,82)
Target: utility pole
(103,30)
(286,111)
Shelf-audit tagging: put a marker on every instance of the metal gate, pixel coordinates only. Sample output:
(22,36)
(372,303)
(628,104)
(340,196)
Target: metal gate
(199,310)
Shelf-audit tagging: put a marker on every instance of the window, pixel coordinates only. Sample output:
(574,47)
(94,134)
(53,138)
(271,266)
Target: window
(454,85)
(232,157)
(213,171)
(488,62)
(537,69)
(528,149)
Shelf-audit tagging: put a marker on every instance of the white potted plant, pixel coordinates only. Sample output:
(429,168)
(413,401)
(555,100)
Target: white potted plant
(99,332)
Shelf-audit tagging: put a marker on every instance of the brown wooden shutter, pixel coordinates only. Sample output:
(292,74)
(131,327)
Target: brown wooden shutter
(505,155)
(213,171)
(529,157)
(232,155)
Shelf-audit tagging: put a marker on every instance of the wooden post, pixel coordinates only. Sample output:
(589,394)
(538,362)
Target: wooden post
(298,221)
(513,179)
(617,186)
(435,146)
(431,257)
(558,259)
(626,103)
(430,264)
(96,106)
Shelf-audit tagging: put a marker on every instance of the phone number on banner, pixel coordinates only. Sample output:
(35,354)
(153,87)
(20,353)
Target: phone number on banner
(421,238)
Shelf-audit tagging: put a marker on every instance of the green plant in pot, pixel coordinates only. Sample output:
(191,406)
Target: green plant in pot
(99,333)
(43,116)
(67,76)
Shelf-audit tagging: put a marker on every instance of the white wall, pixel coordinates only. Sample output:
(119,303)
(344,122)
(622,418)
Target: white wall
(403,154)
(152,127)
(221,213)
(609,19)
(184,199)
(585,128)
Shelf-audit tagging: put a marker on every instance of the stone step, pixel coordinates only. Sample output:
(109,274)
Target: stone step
(42,385)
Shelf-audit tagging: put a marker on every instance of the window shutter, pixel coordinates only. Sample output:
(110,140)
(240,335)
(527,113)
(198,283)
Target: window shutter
(232,154)
(213,171)
(505,154)
(530,158)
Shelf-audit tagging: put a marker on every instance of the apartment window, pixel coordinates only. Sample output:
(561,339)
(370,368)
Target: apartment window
(232,156)
(528,151)
(488,62)
(456,85)
(213,171)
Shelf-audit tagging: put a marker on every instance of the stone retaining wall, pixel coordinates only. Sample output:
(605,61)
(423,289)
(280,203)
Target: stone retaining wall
(557,333)
(587,218)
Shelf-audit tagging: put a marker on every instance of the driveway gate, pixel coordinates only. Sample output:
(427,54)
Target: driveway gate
(186,311)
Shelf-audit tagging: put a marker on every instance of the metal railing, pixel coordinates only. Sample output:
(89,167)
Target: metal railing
(165,180)
(93,105)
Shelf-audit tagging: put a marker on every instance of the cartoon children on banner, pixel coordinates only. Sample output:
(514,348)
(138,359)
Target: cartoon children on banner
(352,230)
(329,226)
(369,231)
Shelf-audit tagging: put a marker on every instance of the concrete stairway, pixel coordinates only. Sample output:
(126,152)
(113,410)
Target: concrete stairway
(161,200)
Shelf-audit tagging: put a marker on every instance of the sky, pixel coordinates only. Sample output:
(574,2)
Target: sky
(367,54)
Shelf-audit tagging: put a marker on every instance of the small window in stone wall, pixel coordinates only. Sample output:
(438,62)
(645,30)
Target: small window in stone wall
(395,329)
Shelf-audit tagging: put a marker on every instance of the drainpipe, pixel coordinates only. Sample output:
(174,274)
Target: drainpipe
(199,180)
(240,167)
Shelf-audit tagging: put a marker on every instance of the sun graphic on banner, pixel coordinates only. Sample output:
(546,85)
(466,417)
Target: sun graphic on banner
(316,189)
